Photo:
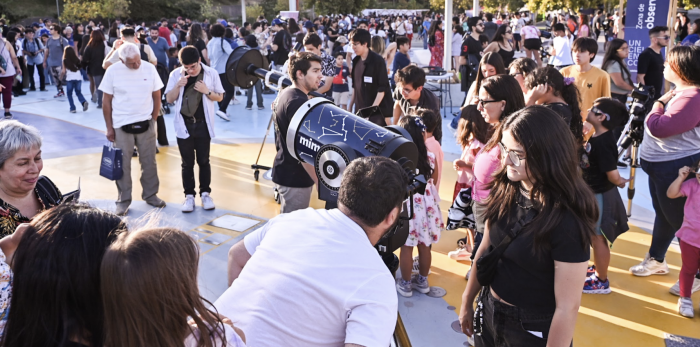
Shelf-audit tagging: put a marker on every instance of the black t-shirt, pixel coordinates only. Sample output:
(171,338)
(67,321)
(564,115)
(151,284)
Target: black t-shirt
(471,46)
(427,100)
(651,64)
(200,45)
(602,158)
(288,171)
(524,278)
(331,31)
(561,109)
(282,52)
(199,114)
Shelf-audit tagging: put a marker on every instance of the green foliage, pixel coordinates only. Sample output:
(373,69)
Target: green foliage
(252,12)
(281,5)
(339,6)
(84,10)
(268,7)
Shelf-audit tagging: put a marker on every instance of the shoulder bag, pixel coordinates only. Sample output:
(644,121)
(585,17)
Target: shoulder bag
(486,265)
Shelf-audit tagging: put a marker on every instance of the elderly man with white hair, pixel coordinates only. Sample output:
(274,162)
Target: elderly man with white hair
(130,106)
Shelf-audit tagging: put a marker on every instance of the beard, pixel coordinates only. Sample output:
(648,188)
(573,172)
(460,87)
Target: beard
(390,231)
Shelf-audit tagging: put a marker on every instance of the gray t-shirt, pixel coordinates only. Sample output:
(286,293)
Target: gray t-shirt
(612,68)
(55,47)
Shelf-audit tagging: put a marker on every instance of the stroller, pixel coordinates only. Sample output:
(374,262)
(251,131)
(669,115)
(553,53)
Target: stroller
(164,109)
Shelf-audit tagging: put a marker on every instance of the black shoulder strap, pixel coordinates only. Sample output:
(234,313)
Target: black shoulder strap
(510,236)
(48,191)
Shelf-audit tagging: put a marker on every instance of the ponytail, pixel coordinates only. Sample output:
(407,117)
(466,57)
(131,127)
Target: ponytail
(570,94)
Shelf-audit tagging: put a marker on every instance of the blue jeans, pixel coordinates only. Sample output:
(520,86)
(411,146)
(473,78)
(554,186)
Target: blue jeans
(258,94)
(669,212)
(425,40)
(74,86)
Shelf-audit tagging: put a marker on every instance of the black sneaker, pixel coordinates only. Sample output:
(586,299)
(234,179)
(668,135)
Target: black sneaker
(8,115)
(136,153)
(85,106)
(261,107)
(238,92)
(249,107)
(32,89)
(43,90)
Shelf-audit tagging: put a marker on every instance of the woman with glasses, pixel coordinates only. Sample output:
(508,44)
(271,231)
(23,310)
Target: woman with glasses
(501,44)
(499,96)
(614,64)
(694,34)
(539,199)
(491,64)
(671,138)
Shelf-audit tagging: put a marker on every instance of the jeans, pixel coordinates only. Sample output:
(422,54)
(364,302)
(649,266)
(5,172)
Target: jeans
(84,74)
(198,144)
(511,326)
(42,76)
(258,94)
(74,86)
(98,80)
(230,91)
(669,212)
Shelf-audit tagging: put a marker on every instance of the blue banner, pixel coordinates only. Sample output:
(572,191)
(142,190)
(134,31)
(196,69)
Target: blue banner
(642,15)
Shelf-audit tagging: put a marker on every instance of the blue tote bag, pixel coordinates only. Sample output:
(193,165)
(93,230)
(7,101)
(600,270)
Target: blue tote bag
(111,163)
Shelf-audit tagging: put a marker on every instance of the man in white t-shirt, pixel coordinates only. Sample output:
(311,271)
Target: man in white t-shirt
(312,278)
(130,107)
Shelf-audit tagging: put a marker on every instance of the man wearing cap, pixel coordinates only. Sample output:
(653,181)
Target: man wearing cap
(282,42)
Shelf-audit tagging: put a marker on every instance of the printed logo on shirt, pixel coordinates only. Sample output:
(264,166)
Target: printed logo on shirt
(589,85)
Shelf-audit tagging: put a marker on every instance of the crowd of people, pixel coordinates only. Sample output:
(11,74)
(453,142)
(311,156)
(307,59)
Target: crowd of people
(539,163)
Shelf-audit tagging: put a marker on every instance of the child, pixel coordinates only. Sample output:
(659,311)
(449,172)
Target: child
(689,233)
(425,227)
(341,90)
(150,277)
(484,41)
(8,245)
(591,81)
(472,133)
(252,42)
(172,59)
(561,47)
(431,119)
(74,79)
(599,166)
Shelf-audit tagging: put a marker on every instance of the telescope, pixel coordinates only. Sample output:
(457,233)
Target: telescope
(329,138)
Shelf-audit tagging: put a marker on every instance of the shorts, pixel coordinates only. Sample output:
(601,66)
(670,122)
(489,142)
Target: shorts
(612,215)
(341,98)
(292,199)
(532,44)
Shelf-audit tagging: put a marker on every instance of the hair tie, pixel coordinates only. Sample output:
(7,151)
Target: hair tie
(420,124)
(568,80)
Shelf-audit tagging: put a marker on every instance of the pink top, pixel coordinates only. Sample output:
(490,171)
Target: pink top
(530,32)
(485,165)
(690,230)
(469,155)
(434,147)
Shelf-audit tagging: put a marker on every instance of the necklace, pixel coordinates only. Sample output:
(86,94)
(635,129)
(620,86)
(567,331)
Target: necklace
(526,194)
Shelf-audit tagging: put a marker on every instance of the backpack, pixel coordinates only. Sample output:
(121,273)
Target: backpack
(142,50)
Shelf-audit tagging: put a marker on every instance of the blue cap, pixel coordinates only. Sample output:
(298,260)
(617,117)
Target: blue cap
(308,24)
(35,24)
(224,23)
(278,21)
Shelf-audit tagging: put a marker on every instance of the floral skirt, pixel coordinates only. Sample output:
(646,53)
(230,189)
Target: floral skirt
(427,223)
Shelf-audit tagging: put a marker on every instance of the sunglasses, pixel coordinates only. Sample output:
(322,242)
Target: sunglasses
(484,102)
(512,155)
(509,32)
(598,112)
(663,37)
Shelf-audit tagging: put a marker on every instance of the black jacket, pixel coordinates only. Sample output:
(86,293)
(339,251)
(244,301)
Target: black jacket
(375,70)
(92,60)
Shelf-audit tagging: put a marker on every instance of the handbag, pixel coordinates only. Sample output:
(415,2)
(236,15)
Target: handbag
(487,264)
(111,163)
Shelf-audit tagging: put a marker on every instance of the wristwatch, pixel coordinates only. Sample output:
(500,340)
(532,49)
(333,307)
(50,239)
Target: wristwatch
(209,94)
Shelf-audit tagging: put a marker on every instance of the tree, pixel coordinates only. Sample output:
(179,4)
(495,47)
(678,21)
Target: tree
(281,5)
(253,11)
(83,10)
(338,6)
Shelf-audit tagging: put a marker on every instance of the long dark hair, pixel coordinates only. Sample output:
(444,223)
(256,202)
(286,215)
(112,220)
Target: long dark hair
(569,92)
(56,286)
(293,26)
(553,167)
(411,124)
(97,39)
(494,59)
(196,33)
(611,56)
(70,59)
(114,30)
(434,27)
(503,88)
(500,35)
(149,289)
(472,125)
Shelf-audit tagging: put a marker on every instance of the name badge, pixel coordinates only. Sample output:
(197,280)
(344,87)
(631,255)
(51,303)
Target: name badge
(368,79)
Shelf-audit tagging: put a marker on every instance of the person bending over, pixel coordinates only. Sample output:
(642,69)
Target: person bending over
(313,277)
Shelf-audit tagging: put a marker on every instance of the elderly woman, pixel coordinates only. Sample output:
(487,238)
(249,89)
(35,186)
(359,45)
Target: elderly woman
(23,193)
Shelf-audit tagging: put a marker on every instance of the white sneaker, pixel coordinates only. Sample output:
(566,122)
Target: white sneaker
(649,266)
(685,307)
(676,288)
(188,205)
(223,116)
(406,289)
(207,202)
(459,254)
(235,101)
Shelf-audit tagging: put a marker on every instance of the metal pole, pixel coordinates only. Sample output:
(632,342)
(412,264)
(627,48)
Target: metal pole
(292,5)
(58,13)
(476,8)
(448,36)
(244,17)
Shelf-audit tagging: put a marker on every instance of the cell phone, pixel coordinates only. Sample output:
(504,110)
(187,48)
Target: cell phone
(369,111)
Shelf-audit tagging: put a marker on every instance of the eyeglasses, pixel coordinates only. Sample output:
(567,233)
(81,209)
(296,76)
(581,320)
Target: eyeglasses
(512,155)
(509,32)
(598,112)
(484,102)
(663,37)
(406,91)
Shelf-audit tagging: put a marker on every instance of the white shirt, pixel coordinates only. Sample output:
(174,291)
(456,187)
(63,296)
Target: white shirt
(213,82)
(232,339)
(400,28)
(562,47)
(73,75)
(132,91)
(313,280)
